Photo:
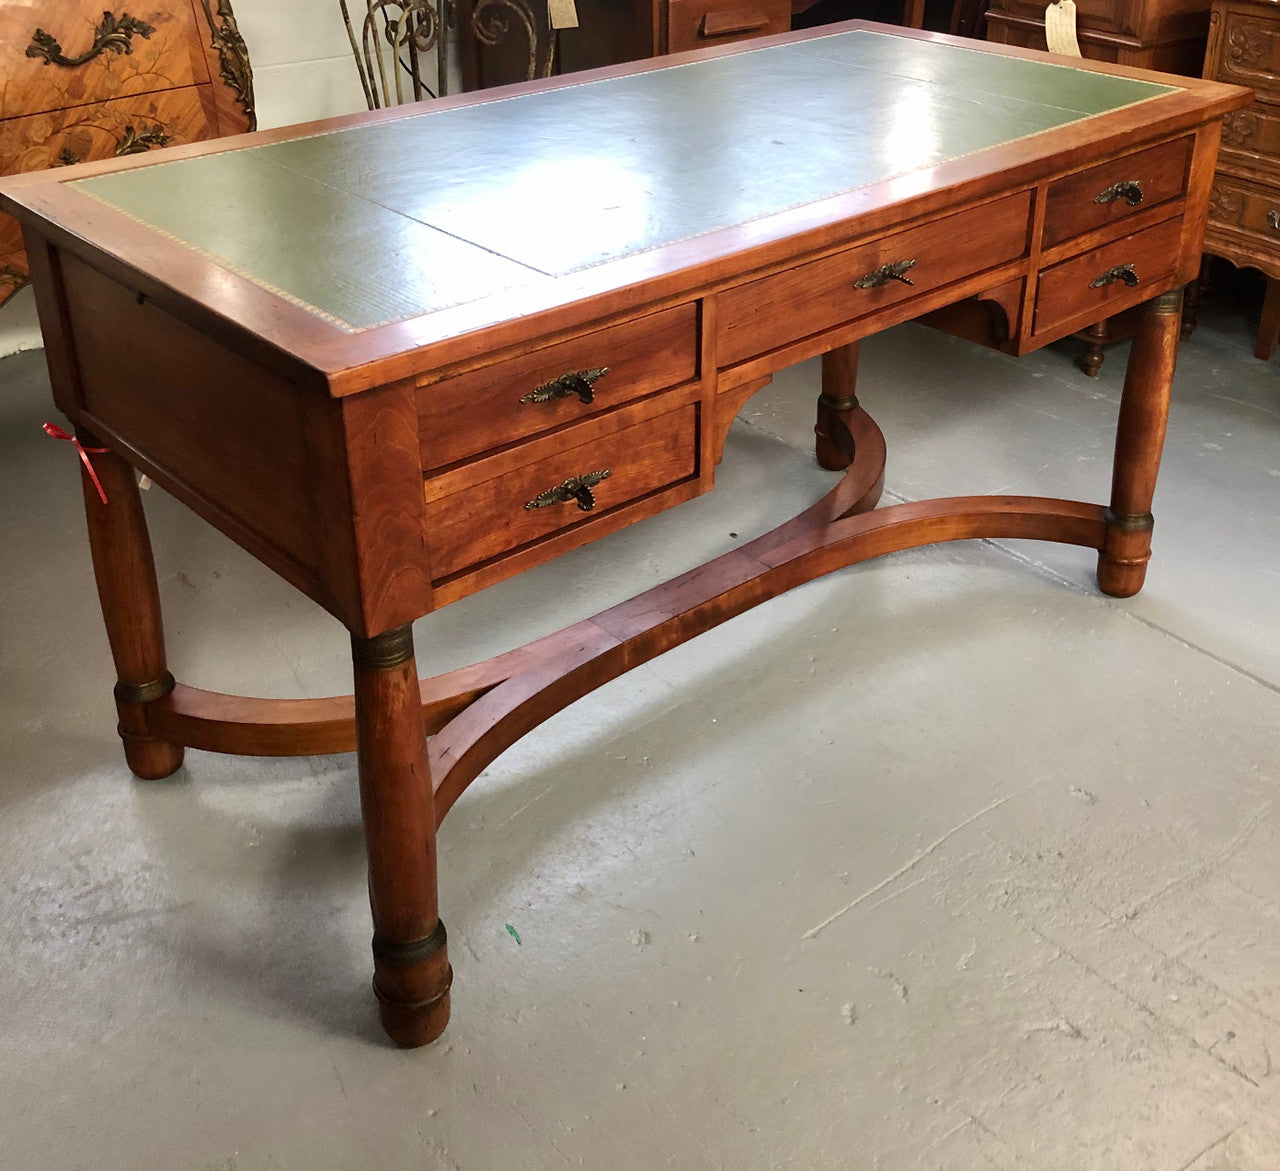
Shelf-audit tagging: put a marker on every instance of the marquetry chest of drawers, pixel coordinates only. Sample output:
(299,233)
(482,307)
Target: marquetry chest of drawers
(81,83)
(1244,207)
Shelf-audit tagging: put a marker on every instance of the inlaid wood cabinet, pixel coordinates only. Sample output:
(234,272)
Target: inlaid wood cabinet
(82,82)
(1244,209)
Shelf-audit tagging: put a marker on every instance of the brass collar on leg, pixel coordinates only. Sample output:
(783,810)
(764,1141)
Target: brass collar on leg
(145,692)
(383,651)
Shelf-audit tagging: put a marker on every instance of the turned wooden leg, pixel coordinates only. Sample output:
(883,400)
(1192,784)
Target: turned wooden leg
(1269,328)
(130,599)
(1192,296)
(1144,411)
(410,958)
(1097,336)
(836,403)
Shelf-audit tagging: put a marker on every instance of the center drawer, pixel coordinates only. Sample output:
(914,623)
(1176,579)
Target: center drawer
(810,298)
(538,391)
(471,520)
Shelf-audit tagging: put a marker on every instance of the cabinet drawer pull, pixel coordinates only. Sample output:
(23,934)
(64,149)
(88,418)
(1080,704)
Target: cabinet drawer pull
(1117,272)
(579,382)
(574,488)
(114,34)
(893,271)
(1130,190)
(1273,218)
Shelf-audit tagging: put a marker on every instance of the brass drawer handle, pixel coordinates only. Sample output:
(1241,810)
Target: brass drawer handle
(574,488)
(579,382)
(1118,272)
(893,271)
(1273,218)
(1130,190)
(114,34)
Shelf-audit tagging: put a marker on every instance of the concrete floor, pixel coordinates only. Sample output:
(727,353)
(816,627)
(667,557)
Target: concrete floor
(946,861)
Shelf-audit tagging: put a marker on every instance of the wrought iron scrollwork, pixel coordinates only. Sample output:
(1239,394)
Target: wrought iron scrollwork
(233,57)
(411,29)
(893,271)
(1130,190)
(574,488)
(114,34)
(579,382)
(491,23)
(1117,272)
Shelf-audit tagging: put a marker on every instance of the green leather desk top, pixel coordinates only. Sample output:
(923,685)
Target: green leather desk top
(395,219)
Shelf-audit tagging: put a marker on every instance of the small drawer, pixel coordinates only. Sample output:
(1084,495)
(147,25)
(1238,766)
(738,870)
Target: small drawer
(1245,207)
(1250,39)
(1108,279)
(810,298)
(695,24)
(1101,195)
(535,392)
(1251,142)
(562,490)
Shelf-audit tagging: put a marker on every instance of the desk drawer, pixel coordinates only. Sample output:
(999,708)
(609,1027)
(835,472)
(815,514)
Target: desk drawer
(498,516)
(789,305)
(1246,207)
(1101,195)
(695,24)
(1067,290)
(489,408)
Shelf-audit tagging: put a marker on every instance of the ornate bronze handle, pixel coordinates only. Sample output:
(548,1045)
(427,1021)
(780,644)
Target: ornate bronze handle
(579,382)
(114,34)
(893,271)
(574,488)
(1273,218)
(1117,272)
(1130,190)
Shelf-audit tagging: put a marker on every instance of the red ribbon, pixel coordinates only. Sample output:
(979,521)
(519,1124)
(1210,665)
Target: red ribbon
(56,432)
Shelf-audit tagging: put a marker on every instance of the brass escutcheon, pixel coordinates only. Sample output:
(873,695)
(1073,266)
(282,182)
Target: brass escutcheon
(893,271)
(1117,272)
(579,382)
(574,488)
(1130,190)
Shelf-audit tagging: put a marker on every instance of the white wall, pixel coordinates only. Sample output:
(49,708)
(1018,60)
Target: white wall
(303,70)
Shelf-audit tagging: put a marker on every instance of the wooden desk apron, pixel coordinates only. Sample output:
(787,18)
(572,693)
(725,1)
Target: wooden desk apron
(403,355)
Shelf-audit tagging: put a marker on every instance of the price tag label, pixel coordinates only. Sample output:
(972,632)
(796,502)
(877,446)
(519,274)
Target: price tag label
(1060,28)
(563,13)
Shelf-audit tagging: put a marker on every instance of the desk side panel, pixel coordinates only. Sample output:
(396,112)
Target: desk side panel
(262,458)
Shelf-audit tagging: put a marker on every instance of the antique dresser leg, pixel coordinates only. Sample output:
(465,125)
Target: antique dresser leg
(1269,327)
(1144,410)
(834,446)
(130,599)
(410,959)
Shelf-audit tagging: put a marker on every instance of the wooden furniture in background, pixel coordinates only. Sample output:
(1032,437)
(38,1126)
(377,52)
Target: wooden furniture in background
(1168,35)
(505,41)
(82,83)
(426,397)
(1244,207)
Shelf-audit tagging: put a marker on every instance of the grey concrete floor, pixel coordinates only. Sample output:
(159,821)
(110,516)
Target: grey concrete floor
(946,861)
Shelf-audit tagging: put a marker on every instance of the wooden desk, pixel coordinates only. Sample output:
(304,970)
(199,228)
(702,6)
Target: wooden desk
(394,391)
